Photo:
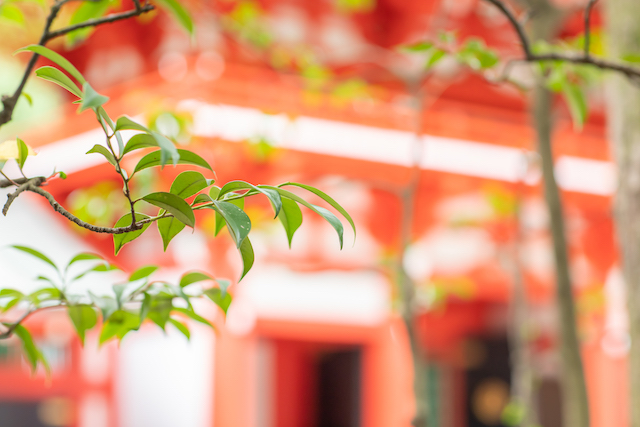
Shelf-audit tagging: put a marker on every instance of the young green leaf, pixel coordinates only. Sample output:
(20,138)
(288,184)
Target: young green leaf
(23,152)
(91,98)
(143,272)
(186,158)
(222,301)
(56,76)
(119,240)
(193,277)
(29,100)
(174,205)
(246,251)
(86,11)
(36,254)
(179,13)
(202,198)
(101,149)
(238,223)
(32,353)
(168,229)
(273,196)
(290,217)
(328,216)
(189,183)
(327,199)
(118,325)
(55,58)
(83,317)
(126,123)
(12,13)
(574,96)
(193,315)
(167,149)
(106,304)
(181,327)
(141,140)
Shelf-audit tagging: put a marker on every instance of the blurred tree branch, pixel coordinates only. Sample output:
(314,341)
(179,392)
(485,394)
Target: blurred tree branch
(9,102)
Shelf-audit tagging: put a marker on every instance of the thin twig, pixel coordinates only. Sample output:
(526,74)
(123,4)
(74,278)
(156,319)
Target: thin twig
(631,72)
(9,102)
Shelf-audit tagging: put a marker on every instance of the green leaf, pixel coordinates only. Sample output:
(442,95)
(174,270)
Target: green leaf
(126,123)
(435,57)
(221,300)
(328,216)
(214,192)
(118,325)
(91,98)
(186,158)
(86,11)
(107,305)
(193,277)
(85,256)
(83,317)
(56,76)
(181,327)
(418,47)
(160,310)
(12,13)
(273,196)
(327,199)
(194,316)
(290,217)
(167,149)
(189,183)
(119,240)
(174,205)
(202,198)
(141,140)
(101,149)
(246,251)
(179,13)
(36,254)
(46,294)
(145,307)
(23,152)
(168,229)
(574,96)
(29,100)
(32,353)
(143,272)
(55,58)
(238,223)
(101,268)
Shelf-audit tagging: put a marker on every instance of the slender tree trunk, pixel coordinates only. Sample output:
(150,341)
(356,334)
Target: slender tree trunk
(623,17)
(575,401)
(523,378)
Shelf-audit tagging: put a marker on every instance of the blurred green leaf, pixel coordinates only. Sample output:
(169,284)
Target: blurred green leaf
(181,327)
(87,10)
(221,300)
(33,355)
(574,96)
(143,272)
(118,325)
(12,13)
(36,254)
(193,315)
(179,13)
(167,149)
(194,277)
(83,317)
(107,305)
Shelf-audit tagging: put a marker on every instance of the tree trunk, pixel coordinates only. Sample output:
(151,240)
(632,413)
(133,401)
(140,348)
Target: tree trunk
(624,126)
(575,402)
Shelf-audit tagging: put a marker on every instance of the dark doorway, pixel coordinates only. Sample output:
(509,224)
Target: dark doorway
(488,378)
(20,414)
(339,389)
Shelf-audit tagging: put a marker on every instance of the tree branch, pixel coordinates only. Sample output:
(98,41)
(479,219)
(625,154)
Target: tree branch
(585,58)
(9,102)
